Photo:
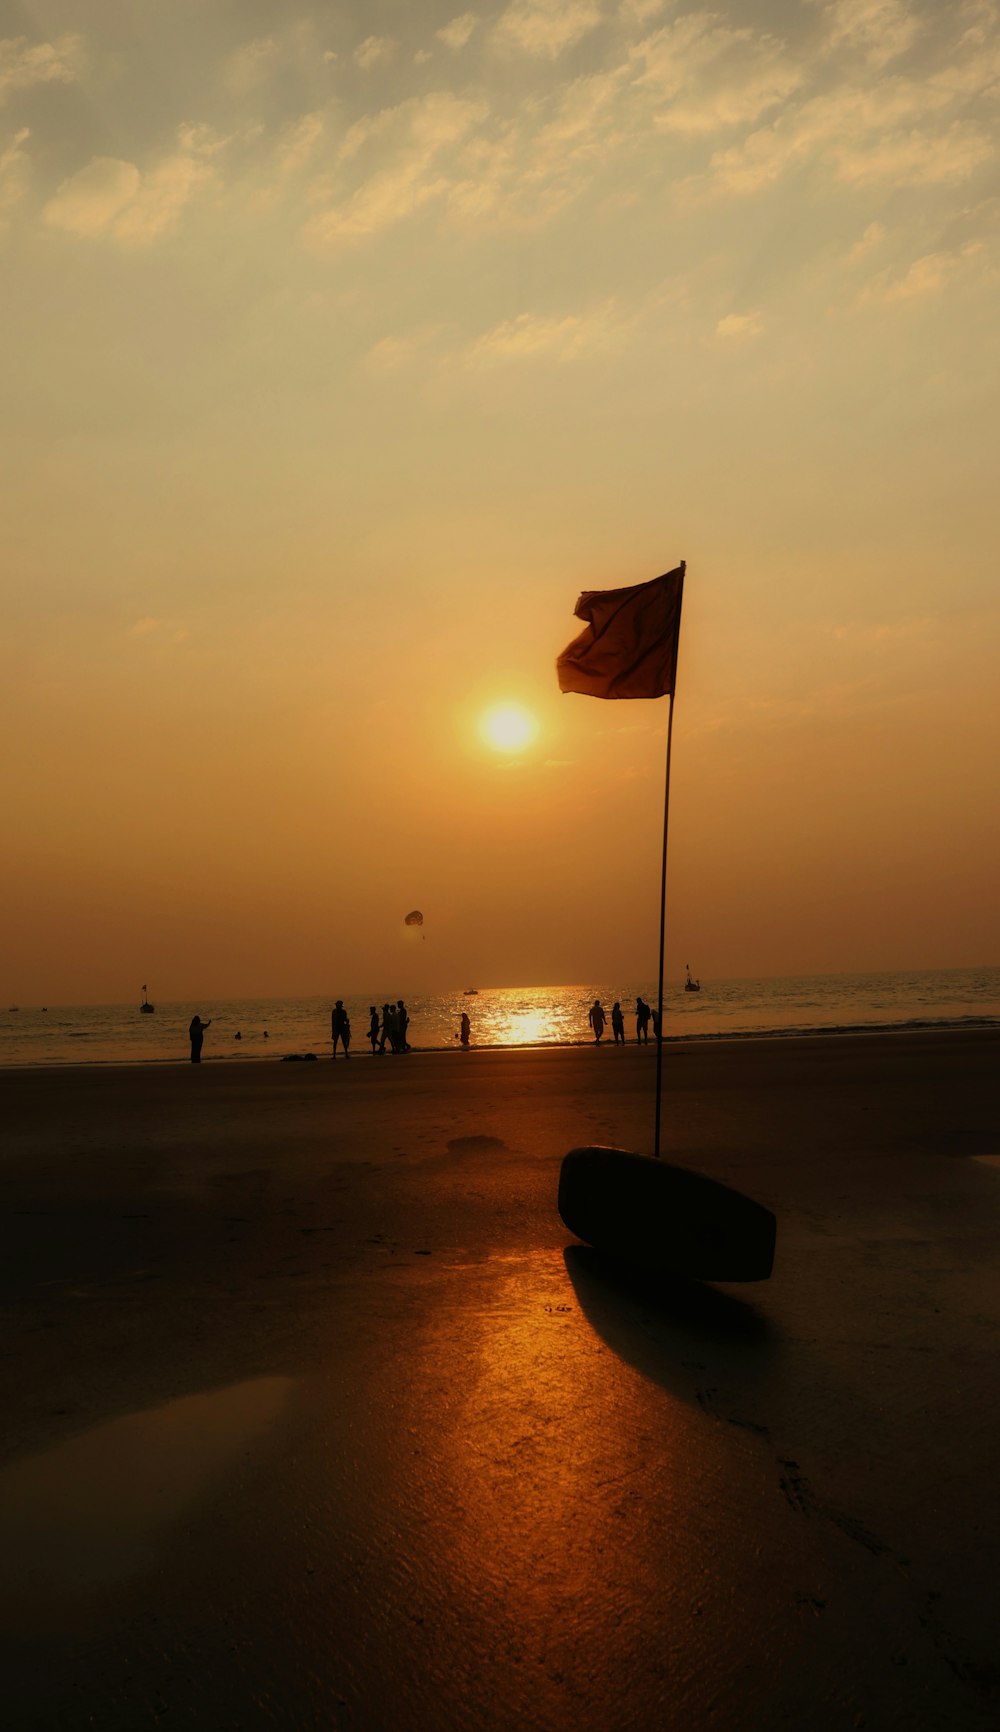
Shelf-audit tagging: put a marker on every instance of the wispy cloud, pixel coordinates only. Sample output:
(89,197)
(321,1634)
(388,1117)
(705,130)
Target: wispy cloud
(414,136)
(299,142)
(880,30)
(373,51)
(13,173)
(712,76)
(873,237)
(456,34)
(251,65)
(915,158)
(89,201)
(530,337)
(925,277)
(863,134)
(24,64)
(739,327)
(546,27)
(165,191)
(391,354)
(112,197)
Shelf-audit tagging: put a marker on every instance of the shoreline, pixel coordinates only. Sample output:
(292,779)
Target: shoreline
(837,1031)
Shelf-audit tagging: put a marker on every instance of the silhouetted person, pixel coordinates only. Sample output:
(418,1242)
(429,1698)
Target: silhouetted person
(237,1035)
(340,1028)
(196,1032)
(402,1024)
(597,1019)
(656,1023)
(617,1023)
(388,1028)
(265,1034)
(373,1027)
(642,1016)
(466,1028)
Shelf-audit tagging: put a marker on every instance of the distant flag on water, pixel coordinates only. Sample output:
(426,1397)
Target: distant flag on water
(629,647)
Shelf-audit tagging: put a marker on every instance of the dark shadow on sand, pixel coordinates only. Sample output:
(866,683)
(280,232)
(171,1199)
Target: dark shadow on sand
(669,1328)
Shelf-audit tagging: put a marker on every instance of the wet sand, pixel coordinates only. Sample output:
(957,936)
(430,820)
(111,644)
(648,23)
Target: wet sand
(316,1417)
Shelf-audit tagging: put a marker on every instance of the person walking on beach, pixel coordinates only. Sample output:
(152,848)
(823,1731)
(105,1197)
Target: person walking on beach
(597,1019)
(466,1029)
(196,1034)
(402,1024)
(340,1028)
(373,1027)
(617,1023)
(655,1015)
(642,1016)
(388,1028)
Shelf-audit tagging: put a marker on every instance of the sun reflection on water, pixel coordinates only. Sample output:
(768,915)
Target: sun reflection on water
(532,1017)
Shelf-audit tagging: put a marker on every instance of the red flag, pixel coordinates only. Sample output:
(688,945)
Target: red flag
(629,649)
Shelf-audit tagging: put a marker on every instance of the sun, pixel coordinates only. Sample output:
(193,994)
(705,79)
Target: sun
(508,727)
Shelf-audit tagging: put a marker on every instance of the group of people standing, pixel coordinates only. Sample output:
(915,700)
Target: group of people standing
(643,1017)
(394,1023)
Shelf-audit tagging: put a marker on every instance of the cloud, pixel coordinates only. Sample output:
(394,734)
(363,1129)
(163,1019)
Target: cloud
(202,140)
(546,27)
(390,354)
(926,277)
(143,627)
(873,237)
(530,337)
(160,199)
(373,50)
(915,158)
(299,143)
(713,76)
(24,64)
(980,18)
(739,327)
(881,30)
(110,196)
(13,174)
(639,11)
(456,34)
(414,136)
(251,65)
(89,201)
(864,133)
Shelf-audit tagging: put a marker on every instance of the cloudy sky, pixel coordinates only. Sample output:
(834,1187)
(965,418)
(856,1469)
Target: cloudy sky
(342,347)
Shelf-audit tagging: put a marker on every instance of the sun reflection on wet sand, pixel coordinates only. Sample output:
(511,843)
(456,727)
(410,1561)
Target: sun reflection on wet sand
(551,1464)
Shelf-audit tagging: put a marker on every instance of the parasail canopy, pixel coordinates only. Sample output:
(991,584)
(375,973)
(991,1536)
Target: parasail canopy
(415,918)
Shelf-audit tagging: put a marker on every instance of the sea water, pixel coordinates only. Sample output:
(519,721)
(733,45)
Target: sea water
(509,1016)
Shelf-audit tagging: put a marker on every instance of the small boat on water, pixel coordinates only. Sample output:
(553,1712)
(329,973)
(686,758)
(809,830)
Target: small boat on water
(13,1007)
(691,985)
(145,1007)
(471,992)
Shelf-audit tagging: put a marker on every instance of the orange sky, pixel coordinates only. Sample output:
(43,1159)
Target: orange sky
(342,352)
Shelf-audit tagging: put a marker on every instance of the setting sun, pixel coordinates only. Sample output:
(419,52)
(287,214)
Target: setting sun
(509,727)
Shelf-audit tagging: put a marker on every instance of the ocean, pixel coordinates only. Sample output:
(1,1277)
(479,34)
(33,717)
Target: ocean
(503,1017)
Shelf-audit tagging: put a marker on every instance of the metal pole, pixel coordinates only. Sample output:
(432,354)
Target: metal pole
(663,932)
(663,906)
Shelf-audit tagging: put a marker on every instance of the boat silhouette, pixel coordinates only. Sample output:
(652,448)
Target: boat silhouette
(145,1007)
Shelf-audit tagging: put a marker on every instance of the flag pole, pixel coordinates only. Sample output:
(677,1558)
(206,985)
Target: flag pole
(663,902)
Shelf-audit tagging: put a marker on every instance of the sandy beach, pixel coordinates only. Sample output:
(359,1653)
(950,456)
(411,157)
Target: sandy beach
(315,1416)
